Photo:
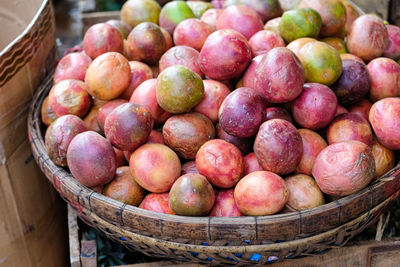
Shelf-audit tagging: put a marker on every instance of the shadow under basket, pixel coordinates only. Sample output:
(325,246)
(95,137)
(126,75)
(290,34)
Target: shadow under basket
(216,240)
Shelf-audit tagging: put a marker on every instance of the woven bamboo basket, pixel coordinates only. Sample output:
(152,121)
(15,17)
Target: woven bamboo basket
(250,240)
(216,240)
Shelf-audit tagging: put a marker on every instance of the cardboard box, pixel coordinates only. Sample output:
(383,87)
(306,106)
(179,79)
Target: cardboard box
(33,217)
(24,62)
(32,223)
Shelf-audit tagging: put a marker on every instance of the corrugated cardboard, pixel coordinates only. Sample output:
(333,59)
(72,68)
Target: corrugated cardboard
(33,228)
(33,217)
(26,62)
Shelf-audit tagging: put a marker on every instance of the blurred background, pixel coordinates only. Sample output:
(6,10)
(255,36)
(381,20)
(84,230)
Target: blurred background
(69,24)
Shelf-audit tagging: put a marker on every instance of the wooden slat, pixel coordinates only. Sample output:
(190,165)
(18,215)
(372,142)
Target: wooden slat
(88,19)
(73,232)
(89,253)
(355,255)
(394,12)
(384,255)
(379,7)
(86,6)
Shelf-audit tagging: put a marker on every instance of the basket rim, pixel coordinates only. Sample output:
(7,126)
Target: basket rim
(128,216)
(252,248)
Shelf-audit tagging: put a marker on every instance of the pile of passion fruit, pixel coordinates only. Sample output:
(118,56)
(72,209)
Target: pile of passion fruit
(229,108)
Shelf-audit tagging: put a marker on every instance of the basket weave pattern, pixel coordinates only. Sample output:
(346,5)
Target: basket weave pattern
(215,240)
